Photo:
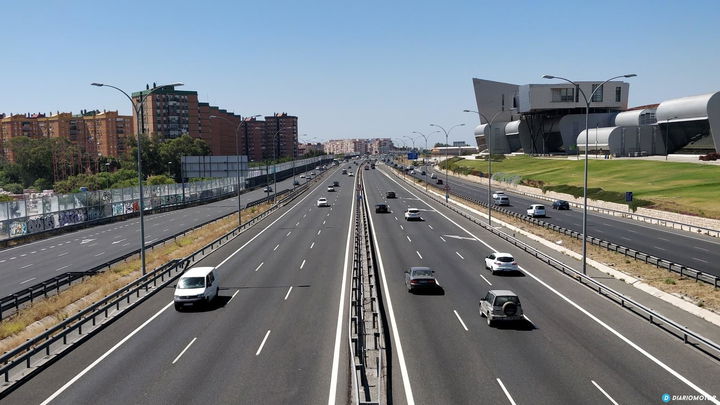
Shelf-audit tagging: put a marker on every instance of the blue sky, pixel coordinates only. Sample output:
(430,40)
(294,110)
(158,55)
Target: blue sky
(349,69)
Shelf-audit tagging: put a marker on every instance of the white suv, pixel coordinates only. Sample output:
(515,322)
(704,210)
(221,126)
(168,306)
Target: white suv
(412,214)
(536,210)
(323,202)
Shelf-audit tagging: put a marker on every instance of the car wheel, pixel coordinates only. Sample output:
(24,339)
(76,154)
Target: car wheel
(489,321)
(178,307)
(482,314)
(492,271)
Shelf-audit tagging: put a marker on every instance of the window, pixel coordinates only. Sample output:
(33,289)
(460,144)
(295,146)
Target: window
(560,95)
(618,94)
(597,95)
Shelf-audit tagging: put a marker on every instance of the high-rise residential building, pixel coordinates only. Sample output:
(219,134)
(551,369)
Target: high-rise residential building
(168,113)
(92,132)
(282,130)
(379,146)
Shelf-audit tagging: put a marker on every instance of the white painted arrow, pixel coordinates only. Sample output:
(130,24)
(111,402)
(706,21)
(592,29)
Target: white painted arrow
(458,237)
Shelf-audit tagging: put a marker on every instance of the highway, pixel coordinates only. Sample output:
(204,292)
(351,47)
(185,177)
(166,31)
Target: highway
(271,338)
(34,262)
(692,250)
(577,348)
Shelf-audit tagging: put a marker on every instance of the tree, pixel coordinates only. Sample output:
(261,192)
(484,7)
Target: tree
(33,158)
(171,152)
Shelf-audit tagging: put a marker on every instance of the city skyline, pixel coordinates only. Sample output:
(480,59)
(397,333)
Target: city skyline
(350,71)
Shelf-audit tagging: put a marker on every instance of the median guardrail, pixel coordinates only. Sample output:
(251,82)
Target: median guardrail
(28,359)
(688,336)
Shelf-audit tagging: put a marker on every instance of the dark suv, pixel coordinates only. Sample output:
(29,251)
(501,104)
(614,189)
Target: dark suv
(381,208)
(561,205)
(390,194)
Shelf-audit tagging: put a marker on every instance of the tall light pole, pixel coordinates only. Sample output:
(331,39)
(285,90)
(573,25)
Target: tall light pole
(307,139)
(487,140)
(447,165)
(585,170)
(275,152)
(426,148)
(237,156)
(137,107)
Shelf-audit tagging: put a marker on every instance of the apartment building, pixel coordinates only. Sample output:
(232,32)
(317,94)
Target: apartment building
(281,130)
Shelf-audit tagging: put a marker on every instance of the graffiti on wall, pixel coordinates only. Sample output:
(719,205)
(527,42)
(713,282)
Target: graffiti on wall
(18,228)
(70,217)
(125,208)
(94,213)
(39,224)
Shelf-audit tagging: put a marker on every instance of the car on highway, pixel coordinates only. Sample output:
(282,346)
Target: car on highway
(344,171)
(536,210)
(560,205)
(331,189)
(268,189)
(336,183)
(497,194)
(366,168)
(413,214)
(296,183)
(382,208)
(350,174)
(418,278)
(390,194)
(433,176)
(197,286)
(501,200)
(302,176)
(312,174)
(323,202)
(439,181)
(497,262)
(501,305)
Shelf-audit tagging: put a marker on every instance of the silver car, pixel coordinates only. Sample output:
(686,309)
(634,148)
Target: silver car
(501,305)
(420,278)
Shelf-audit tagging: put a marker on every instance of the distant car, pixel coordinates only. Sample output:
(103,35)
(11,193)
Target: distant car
(331,189)
(296,183)
(420,278)
(302,176)
(439,181)
(390,194)
(366,168)
(412,214)
(433,176)
(422,173)
(536,210)
(497,194)
(312,174)
(381,208)
(197,286)
(561,205)
(501,305)
(496,262)
(350,174)
(372,166)
(501,200)
(268,189)
(323,202)
(344,171)
(336,183)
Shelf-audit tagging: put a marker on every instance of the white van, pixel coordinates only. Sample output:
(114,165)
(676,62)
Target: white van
(199,285)
(502,199)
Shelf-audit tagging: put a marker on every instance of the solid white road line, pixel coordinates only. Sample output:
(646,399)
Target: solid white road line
(594,318)
(107,353)
(341,309)
(460,319)
(233,296)
(393,322)
(459,255)
(276,247)
(288,293)
(486,280)
(184,350)
(604,393)
(263,343)
(419,255)
(311,245)
(507,394)
(302,264)
(28,280)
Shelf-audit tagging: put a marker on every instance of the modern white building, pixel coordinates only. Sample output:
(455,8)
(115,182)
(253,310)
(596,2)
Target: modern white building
(549,118)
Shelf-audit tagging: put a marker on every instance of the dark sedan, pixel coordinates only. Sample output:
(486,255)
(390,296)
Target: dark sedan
(381,208)
(420,278)
(561,205)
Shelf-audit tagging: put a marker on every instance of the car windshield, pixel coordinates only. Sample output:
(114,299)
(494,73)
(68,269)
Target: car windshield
(500,301)
(505,259)
(422,273)
(191,282)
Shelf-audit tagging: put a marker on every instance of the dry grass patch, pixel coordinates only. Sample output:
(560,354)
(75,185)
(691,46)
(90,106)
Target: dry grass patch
(699,293)
(46,313)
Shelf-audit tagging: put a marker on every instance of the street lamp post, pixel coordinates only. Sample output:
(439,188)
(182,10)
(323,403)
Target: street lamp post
(107,170)
(447,165)
(487,140)
(137,107)
(237,155)
(426,148)
(585,170)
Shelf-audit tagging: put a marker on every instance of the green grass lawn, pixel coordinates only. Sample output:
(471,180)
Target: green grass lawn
(680,187)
